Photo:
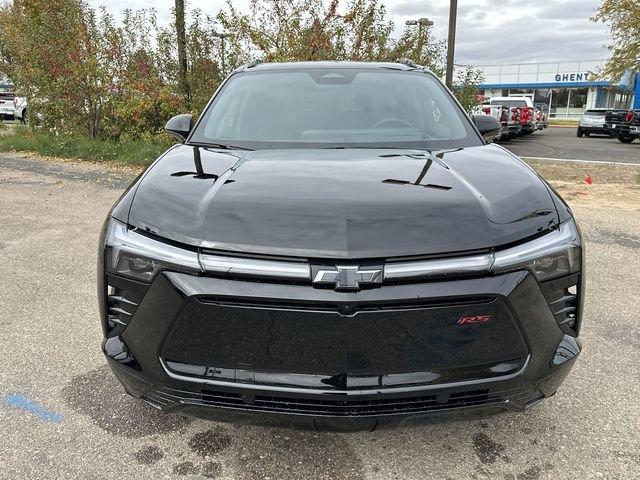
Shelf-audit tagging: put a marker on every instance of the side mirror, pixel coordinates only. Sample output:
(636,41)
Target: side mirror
(179,126)
(488,126)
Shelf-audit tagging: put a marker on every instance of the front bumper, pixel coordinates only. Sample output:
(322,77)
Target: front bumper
(291,354)
(598,129)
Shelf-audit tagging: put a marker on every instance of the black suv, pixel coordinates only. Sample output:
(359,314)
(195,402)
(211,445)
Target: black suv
(335,245)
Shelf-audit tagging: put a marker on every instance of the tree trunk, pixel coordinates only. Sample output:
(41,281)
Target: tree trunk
(181,38)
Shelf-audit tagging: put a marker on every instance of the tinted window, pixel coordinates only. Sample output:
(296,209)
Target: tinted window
(340,107)
(595,113)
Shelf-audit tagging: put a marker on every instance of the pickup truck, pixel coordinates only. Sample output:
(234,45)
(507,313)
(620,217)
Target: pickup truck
(614,118)
(527,118)
(629,129)
(20,108)
(500,113)
(541,117)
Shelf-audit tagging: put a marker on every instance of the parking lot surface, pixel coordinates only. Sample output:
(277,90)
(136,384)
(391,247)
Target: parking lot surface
(63,416)
(562,143)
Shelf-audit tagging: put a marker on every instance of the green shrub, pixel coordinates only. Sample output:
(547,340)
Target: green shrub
(125,150)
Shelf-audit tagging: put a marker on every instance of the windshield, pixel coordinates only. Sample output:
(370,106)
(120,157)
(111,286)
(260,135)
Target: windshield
(595,113)
(334,108)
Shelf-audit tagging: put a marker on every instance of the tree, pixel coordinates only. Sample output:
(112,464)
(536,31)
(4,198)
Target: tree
(623,18)
(54,61)
(466,87)
(88,74)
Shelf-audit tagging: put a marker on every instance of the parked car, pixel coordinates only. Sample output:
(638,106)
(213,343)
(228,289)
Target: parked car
(20,108)
(322,250)
(629,130)
(593,121)
(525,106)
(6,106)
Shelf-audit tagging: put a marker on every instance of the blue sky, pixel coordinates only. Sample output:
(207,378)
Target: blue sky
(489,31)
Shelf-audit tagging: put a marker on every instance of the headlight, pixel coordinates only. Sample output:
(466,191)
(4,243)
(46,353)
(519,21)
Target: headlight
(553,255)
(134,255)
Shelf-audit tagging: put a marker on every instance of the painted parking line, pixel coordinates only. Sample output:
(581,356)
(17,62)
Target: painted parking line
(24,403)
(600,162)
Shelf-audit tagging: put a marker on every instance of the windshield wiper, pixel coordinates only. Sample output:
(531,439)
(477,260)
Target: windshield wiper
(223,146)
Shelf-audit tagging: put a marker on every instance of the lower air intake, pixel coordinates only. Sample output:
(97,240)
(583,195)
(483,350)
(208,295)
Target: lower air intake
(344,407)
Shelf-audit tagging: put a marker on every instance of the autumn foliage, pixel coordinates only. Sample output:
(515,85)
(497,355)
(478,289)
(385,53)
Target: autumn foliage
(86,73)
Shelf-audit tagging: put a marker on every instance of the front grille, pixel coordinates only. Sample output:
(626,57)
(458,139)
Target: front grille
(346,407)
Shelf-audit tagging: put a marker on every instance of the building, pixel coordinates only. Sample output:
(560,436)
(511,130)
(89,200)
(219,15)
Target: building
(565,89)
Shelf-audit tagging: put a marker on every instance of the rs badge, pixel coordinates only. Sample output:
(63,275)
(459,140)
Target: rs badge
(474,319)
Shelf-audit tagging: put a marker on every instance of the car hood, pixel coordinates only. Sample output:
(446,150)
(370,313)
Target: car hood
(343,204)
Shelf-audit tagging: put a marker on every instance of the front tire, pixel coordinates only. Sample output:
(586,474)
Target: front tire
(23,119)
(579,134)
(624,138)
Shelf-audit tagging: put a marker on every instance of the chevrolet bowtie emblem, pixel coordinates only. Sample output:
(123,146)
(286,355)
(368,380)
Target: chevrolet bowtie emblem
(347,277)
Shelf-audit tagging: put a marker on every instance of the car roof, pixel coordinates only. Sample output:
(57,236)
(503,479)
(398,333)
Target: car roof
(401,65)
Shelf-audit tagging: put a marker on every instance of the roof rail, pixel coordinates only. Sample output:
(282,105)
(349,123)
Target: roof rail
(255,63)
(408,62)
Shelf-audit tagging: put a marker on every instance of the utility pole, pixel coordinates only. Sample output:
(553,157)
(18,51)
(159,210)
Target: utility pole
(222,37)
(451,42)
(181,38)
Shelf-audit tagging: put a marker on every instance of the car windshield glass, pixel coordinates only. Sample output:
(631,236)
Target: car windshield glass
(595,113)
(509,103)
(335,108)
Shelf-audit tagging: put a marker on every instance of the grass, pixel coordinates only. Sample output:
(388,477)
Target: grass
(127,151)
(563,121)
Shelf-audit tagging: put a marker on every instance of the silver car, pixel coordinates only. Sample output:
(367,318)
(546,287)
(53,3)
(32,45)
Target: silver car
(593,121)
(6,105)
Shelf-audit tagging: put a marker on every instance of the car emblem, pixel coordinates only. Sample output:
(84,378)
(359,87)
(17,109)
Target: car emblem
(347,277)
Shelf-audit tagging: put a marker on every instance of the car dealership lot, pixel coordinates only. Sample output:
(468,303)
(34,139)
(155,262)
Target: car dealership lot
(62,414)
(562,143)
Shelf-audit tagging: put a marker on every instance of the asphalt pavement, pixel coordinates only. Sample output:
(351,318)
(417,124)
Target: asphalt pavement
(562,143)
(63,415)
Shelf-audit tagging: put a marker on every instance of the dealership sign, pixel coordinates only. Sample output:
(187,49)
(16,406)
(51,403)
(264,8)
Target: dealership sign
(572,77)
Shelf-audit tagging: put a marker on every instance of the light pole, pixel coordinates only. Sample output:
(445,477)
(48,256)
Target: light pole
(451,41)
(420,22)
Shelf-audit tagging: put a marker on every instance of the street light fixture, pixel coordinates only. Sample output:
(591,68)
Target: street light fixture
(420,21)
